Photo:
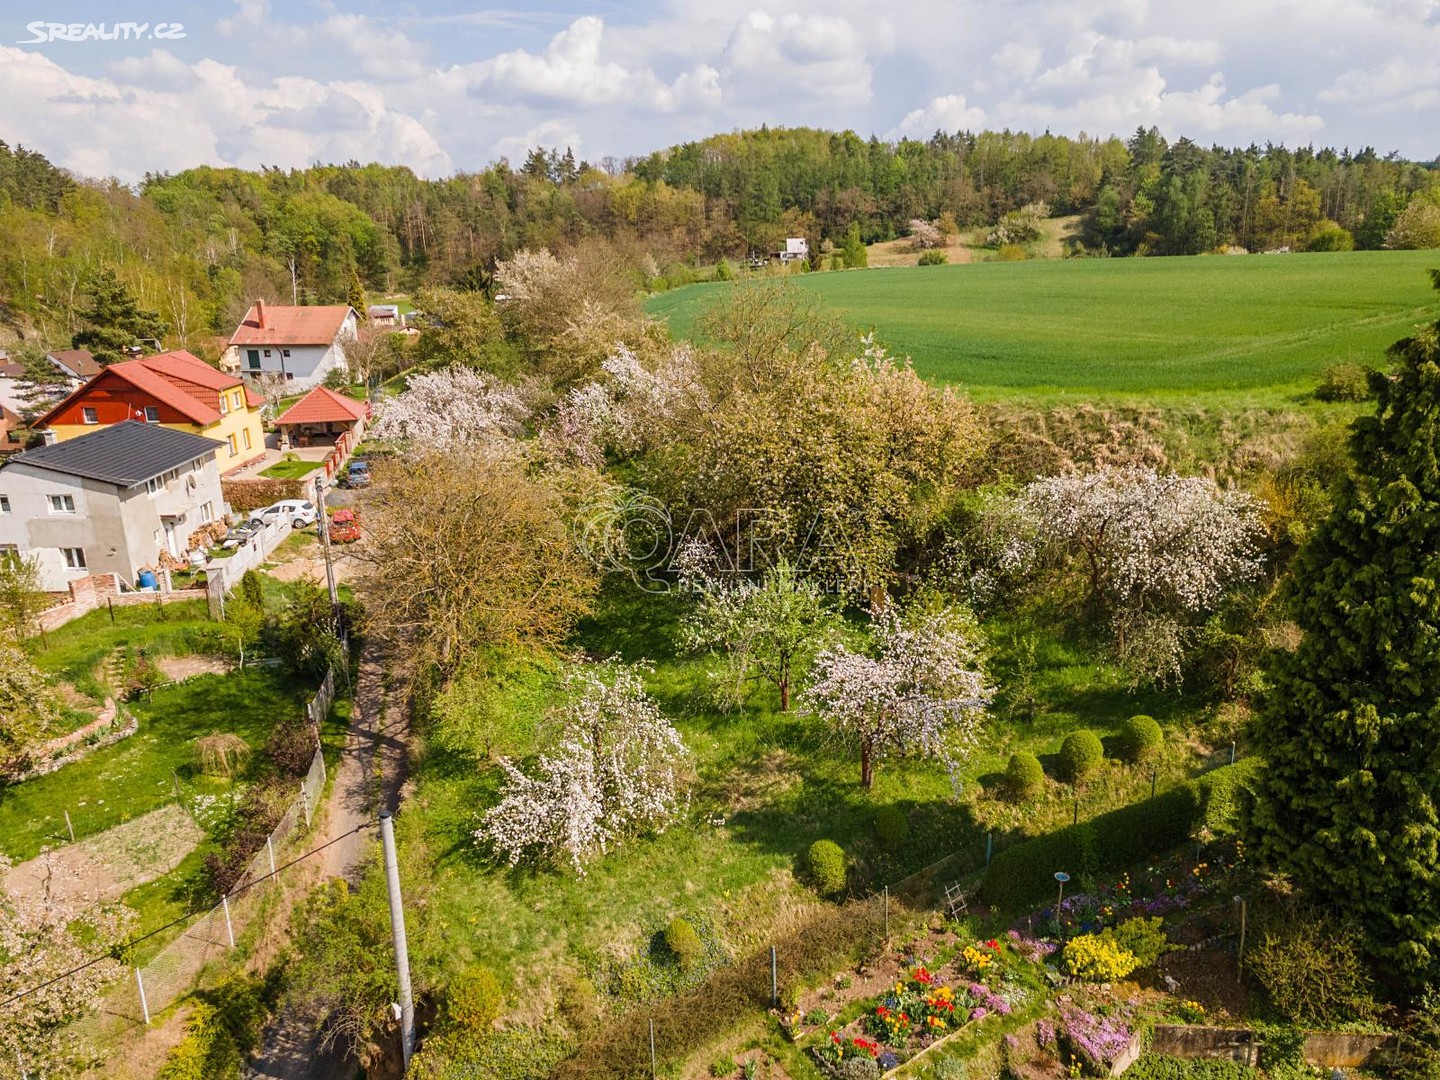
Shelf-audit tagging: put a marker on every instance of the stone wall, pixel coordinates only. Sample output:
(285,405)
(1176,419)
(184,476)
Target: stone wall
(96,591)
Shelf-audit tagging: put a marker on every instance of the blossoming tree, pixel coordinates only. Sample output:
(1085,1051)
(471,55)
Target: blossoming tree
(454,405)
(619,768)
(920,687)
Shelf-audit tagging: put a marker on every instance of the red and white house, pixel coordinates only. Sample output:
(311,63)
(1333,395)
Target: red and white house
(299,345)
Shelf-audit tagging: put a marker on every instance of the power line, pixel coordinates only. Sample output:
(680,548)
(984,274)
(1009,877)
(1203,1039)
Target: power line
(111,955)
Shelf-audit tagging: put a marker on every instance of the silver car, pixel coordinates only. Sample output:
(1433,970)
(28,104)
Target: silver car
(297,511)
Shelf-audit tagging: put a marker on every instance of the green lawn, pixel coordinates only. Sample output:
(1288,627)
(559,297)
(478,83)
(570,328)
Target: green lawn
(1257,328)
(767,786)
(291,470)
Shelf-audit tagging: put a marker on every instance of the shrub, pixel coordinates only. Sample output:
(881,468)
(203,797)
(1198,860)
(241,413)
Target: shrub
(1097,958)
(474,998)
(724,1066)
(1162,1067)
(1011,253)
(1141,738)
(856,1068)
(1080,754)
(933,258)
(579,1002)
(1312,971)
(1344,382)
(1227,795)
(826,863)
(1144,939)
(682,940)
(1024,777)
(891,825)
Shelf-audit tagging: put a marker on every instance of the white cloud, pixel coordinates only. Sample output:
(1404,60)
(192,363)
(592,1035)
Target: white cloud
(1409,83)
(554,134)
(948,113)
(770,57)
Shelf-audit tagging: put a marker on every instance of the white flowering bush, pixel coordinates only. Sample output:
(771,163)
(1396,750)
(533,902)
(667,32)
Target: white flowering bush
(453,406)
(43,935)
(919,688)
(619,768)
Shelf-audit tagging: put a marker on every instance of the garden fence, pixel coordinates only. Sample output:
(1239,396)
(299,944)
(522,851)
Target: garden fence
(212,934)
(223,575)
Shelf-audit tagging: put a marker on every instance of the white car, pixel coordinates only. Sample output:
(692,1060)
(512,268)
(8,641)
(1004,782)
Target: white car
(297,511)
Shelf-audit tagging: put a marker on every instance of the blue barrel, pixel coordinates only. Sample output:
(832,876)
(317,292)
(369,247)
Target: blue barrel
(147,579)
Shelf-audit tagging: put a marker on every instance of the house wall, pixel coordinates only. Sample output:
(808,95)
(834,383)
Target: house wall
(120,530)
(10,393)
(245,425)
(305,367)
(113,400)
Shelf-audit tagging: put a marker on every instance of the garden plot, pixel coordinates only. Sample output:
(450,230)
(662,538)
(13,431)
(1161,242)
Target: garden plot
(105,866)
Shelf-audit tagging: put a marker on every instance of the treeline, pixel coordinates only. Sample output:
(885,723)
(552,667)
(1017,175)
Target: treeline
(197,246)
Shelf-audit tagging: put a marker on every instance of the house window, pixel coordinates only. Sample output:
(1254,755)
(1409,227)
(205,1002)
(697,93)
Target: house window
(253,356)
(9,555)
(62,504)
(4,504)
(247,438)
(284,352)
(74,558)
(91,417)
(155,485)
(207,512)
(234,449)
(289,376)
(267,353)
(224,404)
(152,414)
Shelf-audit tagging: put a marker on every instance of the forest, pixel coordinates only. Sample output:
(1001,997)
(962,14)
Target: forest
(197,246)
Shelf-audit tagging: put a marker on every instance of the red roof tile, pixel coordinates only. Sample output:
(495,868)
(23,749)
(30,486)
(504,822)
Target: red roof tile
(318,325)
(178,378)
(323,406)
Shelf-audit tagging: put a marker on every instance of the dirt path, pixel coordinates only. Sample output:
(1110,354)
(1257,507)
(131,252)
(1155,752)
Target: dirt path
(291,1049)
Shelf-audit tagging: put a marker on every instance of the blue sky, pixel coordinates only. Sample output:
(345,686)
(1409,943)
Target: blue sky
(442,86)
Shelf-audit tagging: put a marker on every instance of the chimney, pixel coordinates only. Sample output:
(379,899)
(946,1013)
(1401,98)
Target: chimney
(260,313)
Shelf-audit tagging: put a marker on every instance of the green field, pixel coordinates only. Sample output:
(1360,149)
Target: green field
(1126,327)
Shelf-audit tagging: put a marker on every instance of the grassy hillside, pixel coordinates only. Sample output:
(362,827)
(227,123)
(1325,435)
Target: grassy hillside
(1127,327)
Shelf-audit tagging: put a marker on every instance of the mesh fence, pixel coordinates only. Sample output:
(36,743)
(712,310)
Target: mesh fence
(173,971)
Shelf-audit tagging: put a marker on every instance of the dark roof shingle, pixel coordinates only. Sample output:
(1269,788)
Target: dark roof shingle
(123,454)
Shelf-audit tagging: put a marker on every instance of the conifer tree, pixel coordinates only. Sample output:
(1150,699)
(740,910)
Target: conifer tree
(1349,801)
(115,321)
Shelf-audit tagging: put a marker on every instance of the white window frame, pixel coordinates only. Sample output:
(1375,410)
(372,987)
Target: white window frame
(4,504)
(207,512)
(61,504)
(152,409)
(224,404)
(89,414)
(74,558)
(154,486)
(234,446)
(248,441)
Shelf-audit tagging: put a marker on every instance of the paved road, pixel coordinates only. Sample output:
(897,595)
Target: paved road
(290,1049)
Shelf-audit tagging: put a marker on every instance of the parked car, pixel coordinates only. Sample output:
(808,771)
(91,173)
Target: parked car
(298,512)
(357,475)
(344,526)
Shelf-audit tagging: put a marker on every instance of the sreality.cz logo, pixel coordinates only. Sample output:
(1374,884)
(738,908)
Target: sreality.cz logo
(43,32)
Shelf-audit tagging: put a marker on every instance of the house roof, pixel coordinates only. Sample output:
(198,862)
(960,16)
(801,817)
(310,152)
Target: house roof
(164,377)
(123,454)
(321,406)
(318,325)
(11,371)
(77,360)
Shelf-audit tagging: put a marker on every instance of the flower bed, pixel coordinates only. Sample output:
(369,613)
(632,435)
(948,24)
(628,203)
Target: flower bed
(924,1008)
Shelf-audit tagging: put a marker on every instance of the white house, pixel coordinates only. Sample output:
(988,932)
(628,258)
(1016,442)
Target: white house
(299,344)
(796,247)
(108,502)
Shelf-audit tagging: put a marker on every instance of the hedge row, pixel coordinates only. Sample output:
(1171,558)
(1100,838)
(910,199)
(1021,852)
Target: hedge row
(1025,873)
(252,493)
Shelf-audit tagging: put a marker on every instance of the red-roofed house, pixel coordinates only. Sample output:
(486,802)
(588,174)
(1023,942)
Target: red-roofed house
(299,344)
(173,389)
(76,364)
(320,417)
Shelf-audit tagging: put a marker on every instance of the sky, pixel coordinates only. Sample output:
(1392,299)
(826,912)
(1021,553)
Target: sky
(443,86)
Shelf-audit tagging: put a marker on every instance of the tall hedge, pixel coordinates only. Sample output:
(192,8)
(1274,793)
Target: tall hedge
(1025,873)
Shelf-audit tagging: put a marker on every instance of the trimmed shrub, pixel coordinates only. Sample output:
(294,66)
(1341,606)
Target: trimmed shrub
(474,998)
(1141,738)
(682,940)
(857,1068)
(1144,938)
(1163,1067)
(826,862)
(1080,754)
(891,825)
(1313,972)
(1024,777)
(1228,796)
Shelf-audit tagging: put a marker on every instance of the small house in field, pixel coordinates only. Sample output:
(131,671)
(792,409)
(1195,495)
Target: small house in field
(796,248)
(299,345)
(385,316)
(77,365)
(321,417)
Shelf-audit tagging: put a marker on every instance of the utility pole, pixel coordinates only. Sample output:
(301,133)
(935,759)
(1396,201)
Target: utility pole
(322,522)
(397,928)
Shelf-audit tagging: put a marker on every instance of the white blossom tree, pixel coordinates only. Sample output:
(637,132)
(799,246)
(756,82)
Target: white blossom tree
(920,688)
(764,627)
(46,932)
(1155,551)
(454,406)
(619,768)
(924,234)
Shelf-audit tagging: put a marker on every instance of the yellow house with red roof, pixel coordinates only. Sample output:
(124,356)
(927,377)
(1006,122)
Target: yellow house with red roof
(173,389)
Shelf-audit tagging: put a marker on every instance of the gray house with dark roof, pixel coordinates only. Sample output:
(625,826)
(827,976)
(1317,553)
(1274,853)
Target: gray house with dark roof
(108,502)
